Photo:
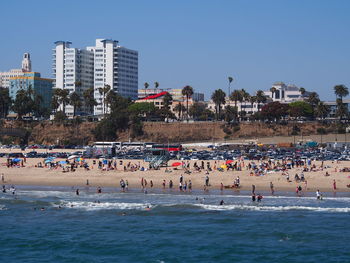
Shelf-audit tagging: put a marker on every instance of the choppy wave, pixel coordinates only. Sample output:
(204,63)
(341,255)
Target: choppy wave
(273,208)
(92,206)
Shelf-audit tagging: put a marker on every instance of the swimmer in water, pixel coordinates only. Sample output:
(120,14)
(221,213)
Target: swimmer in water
(222,202)
(148,208)
(77,192)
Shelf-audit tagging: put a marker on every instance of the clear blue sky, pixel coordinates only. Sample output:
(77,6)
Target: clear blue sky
(198,43)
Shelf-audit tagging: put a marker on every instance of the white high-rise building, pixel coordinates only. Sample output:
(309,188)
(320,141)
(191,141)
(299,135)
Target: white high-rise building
(117,67)
(5,76)
(72,70)
(106,63)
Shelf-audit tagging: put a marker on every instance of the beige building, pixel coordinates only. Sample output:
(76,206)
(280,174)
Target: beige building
(5,76)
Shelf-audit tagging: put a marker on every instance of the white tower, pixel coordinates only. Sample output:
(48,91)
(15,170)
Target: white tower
(26,63)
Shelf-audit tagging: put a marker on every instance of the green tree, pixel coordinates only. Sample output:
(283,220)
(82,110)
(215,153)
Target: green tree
(23,103)
(302,91)
(5,102)
(230,113)
(89,99)
(252,101)
(197,110)
(167,100)
(218,98)
(300,109)
(142,108)
(187,91)
(274,111)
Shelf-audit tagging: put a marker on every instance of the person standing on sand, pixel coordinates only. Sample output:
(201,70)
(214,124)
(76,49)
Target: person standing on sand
(334,185)
(253,189)
(151,183)
(171,184)
(164,182)
(207,181)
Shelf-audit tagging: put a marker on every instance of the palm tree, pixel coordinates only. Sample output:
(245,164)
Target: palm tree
(218,98)
(146,85)
(245,98)
(179,108)
(342,110)
(156,85)
(341,91)
(63,98)
(313,99)
(322,110)
(252,100)
(235,96)
(187,91)
(75,101)
(103,92)
(89,99)
(273,91)
(260,98)
(230,79)
(5,102)
(230,113)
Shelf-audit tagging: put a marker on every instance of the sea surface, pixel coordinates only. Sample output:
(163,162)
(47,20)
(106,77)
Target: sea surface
(53,224)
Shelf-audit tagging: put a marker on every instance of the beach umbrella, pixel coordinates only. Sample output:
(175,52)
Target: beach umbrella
(229,161)
(72,157)
(48,161)
(223,166)
(176,164)
(16,160)
(62,162)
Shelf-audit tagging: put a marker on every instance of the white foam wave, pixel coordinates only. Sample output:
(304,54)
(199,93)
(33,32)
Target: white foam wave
(273,208)
(2,207)
(92,206)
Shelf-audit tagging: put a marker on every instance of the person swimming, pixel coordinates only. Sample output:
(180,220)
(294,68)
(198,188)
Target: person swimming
(222,202)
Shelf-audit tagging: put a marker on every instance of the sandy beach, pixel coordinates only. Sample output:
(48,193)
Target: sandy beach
(31,175)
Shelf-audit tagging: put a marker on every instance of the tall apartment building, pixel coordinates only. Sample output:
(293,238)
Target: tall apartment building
(106,63)
(72,70)
(115,66)
(26,67)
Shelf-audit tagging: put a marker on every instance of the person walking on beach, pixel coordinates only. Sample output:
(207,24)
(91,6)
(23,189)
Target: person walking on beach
(189,185)
(253,189)
(181,179)
(126,185)
(334,185)
(151,183)
(207,181)
(272,189)
(2,178)
(77,191)
(164,183)
(171,184)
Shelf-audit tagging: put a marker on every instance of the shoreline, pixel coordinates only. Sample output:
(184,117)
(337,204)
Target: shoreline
(175,192)
(31,175)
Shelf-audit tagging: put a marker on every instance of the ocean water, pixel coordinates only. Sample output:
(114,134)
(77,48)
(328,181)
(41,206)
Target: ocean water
(171,227)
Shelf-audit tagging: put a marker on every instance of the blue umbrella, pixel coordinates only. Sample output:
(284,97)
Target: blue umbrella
(62,162)
(48,161)
(16,160)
